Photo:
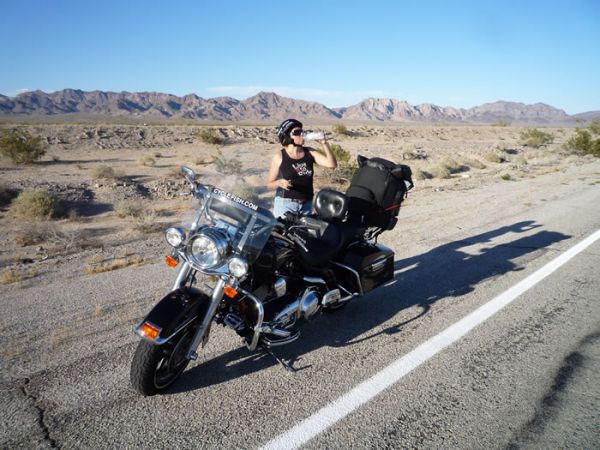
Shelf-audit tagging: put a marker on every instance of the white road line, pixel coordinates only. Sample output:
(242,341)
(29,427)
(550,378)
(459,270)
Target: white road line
(361,394)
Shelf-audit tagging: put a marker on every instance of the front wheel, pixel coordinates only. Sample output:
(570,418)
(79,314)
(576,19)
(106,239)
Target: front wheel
(155,367)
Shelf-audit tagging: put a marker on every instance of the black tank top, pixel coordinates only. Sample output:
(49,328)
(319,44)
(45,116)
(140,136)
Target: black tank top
(300,173)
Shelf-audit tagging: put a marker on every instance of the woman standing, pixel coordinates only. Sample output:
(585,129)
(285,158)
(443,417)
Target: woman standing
(291,171)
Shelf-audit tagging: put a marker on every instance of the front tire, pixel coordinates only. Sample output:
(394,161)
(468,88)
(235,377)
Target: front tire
(156,367)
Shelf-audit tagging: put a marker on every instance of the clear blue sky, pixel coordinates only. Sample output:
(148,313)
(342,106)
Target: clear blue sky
(448,53)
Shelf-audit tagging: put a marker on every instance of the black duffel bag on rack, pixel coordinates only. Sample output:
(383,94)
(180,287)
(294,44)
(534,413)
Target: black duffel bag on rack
(376,192)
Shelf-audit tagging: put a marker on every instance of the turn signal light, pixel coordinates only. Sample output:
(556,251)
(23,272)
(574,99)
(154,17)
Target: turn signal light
(149,331)
(170,261)
(229,291)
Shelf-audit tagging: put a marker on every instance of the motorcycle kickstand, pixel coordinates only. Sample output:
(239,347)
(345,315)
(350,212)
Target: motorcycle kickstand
(287,366)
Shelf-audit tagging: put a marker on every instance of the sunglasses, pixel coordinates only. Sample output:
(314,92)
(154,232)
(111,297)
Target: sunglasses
(298,132)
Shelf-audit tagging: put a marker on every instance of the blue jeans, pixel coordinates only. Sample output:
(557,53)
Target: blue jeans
(282,205)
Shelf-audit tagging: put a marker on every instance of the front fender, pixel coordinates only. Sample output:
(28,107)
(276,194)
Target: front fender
(173,312)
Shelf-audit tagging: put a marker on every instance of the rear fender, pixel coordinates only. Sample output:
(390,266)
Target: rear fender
(173,312)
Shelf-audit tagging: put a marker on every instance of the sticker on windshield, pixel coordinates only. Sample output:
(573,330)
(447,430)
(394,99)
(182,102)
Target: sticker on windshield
(236,199)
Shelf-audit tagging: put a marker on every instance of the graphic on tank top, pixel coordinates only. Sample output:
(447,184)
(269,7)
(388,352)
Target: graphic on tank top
(302,169)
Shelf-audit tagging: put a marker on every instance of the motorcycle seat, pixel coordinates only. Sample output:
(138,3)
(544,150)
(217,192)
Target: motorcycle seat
(331,240)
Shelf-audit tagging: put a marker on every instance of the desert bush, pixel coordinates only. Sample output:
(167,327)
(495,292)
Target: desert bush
(342,156)
(345,167)
(157,154)
(147,222)
(130,208)
(341,129)
(227,166)
(20,146)
(245,191)
(36,204)
(583,143)
(8,276)
(492,157)
(441,172)
(148,161)
(104,171)
(209,136)
(535,138)
(595,127)
(506,177)
(476,164)
(451,165)
(419,174)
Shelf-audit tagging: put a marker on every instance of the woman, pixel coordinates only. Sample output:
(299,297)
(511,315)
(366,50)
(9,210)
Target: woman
(291,171)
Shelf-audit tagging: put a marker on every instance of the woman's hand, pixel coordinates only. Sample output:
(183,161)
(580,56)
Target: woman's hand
(284,184)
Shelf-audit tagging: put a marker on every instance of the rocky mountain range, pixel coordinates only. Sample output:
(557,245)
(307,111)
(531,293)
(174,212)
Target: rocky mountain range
(269,107)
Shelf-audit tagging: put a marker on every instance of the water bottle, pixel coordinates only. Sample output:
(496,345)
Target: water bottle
(314,136)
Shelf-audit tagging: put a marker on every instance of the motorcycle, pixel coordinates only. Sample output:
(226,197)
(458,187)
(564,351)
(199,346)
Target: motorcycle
(242,268)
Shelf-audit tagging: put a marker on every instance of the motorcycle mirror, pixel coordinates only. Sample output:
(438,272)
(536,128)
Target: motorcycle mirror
(189,174)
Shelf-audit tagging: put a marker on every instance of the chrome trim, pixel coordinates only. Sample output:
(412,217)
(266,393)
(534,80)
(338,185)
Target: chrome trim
(182,276)
(344,266)
(280,286)
(258,328)
(269,343)
(315,280)
(212,309)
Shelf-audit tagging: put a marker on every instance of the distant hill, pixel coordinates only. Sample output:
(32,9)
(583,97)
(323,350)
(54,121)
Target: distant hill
(270,107)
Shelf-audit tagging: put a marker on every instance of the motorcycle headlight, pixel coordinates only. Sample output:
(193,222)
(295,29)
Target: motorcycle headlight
(208,248)
(238,267)
(175,236)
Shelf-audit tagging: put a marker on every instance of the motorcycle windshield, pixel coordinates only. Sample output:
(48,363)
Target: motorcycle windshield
(247,224)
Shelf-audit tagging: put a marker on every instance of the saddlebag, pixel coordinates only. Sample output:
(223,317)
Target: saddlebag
(372,265)
(376,192)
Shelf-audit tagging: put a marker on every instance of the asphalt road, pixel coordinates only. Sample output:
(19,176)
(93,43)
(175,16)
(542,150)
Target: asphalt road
(525,378)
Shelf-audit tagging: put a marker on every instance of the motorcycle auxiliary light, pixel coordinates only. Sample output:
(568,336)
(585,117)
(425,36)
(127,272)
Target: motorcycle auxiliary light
(238,267)
(175,236)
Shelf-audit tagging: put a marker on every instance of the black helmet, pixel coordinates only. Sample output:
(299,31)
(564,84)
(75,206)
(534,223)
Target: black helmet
(283,131)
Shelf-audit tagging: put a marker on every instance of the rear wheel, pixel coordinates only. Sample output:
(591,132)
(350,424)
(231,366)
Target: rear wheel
(155,367)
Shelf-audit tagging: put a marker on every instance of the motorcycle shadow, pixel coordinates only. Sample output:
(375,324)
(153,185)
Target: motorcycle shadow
(444,273)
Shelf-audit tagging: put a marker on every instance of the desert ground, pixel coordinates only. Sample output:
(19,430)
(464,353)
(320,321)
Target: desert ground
(108,243)
(107,213)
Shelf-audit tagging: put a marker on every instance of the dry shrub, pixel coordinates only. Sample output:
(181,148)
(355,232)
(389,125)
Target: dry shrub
(20,146)
(441,172)
(8,276)
(535,138)
(476,164)
(104,171)
(451,165)
(492,157)
(209,136)
(227,166)
(340,129)
(147,223)
(147,161)
(130,208)
(36,204)
(419,174)
(99,265)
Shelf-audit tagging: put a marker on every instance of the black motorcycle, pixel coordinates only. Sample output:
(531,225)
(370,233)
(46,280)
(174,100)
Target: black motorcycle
(261,276)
